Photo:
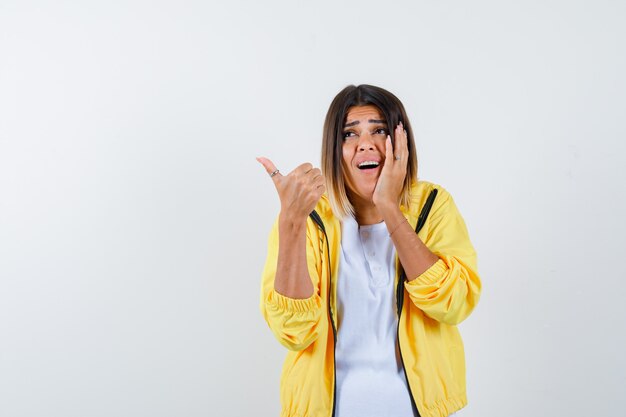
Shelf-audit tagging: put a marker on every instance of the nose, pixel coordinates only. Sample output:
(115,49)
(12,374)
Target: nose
(366,142)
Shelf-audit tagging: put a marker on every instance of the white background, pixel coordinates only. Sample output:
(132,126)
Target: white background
(134,217)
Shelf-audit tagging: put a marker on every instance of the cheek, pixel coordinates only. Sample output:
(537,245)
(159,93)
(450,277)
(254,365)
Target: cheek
(381,148)
(347,152)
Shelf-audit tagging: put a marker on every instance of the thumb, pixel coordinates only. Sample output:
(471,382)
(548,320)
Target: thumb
(269,166)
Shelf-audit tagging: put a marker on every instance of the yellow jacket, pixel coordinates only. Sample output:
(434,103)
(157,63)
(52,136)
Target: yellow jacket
(430,343)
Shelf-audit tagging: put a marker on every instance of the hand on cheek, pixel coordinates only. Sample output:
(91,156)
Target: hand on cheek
(391,179)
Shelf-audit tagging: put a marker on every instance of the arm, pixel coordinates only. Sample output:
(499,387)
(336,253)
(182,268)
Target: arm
(442,278)
(290,300)
(295,321)
(450,288)
(292,277)
(414,255)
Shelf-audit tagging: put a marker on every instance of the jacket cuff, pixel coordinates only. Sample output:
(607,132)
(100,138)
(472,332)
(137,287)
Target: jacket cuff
(278,301)
(433,274)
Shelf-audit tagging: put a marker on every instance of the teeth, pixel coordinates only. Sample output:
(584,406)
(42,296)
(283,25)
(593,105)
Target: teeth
(367,164)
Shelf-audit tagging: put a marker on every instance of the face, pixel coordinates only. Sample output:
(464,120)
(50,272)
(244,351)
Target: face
(364,135)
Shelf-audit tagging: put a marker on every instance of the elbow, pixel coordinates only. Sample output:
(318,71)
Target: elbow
(460,304)
(296,335)
(450,317)
(449,307)
(460,310)
(294,323)
(453,298)
(296,343)
(454,318)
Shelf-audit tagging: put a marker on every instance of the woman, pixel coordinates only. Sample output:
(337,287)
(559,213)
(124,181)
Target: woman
(367,307)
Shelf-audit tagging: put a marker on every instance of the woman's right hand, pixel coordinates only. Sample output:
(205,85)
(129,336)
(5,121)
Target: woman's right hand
(299,191)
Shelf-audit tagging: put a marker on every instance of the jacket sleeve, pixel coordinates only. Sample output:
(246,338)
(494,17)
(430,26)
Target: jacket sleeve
(294,322)
(449,290)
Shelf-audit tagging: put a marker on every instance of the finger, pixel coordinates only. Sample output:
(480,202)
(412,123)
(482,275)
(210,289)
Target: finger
(269,167)
(405,147)
(401,135)
(302,169)
(314,173)
(389,158)
(406,139)
(319,181)
(321,189)
(401,149)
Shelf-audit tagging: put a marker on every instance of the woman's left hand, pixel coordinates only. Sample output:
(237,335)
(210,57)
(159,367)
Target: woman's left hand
(391,180)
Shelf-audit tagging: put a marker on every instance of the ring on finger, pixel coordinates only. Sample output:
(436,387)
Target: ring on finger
(274,173)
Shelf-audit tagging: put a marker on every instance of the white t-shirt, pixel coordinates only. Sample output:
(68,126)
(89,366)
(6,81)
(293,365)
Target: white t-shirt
(370,376)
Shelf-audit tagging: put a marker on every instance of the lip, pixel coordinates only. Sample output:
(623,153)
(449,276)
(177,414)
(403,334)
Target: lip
(363,158)
(370,171)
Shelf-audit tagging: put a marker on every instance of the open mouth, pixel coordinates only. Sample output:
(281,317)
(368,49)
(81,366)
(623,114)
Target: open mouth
(368,165)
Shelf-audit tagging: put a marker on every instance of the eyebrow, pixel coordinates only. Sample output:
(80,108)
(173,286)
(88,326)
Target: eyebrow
(356,122)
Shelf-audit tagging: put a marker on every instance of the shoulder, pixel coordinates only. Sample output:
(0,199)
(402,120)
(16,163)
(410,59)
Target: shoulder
(324,209)
(420,190)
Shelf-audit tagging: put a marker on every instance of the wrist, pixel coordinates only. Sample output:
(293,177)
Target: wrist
(291,221)
(389,210)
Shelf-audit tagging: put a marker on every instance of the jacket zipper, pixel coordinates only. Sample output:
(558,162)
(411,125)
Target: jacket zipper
(421,220)
(318,220)
(400,302)
(332,324)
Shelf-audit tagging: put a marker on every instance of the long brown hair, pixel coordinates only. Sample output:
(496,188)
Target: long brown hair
(332,168)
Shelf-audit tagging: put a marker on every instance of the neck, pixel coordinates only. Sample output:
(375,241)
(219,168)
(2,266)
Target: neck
(365,212)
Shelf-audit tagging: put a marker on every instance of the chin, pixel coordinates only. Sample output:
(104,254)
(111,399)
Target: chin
(364,192)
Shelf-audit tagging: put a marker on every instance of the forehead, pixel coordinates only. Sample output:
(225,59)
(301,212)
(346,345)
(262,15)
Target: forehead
(363,113)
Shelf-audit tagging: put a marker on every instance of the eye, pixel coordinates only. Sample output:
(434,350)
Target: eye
(381,131)
(347,134)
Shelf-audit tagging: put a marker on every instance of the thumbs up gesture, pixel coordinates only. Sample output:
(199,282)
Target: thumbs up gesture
(299,191)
